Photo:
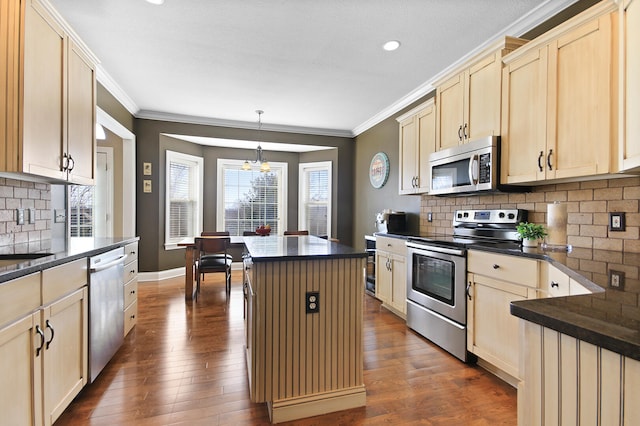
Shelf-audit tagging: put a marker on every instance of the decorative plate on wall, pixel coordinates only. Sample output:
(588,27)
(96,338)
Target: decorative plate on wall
(379,170)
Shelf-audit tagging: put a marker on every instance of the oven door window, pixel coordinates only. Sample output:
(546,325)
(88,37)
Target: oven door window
(434,278)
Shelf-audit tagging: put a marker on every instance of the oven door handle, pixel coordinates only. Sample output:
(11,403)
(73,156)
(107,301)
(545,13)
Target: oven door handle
(425,248)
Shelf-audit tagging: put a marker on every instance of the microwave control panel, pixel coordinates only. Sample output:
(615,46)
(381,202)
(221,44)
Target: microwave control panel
(485,168)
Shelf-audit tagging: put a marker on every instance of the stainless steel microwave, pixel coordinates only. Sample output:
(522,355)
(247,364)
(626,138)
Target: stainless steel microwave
(467,168)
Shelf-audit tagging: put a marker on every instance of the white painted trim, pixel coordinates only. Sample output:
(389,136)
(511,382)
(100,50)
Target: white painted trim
(190,119)
(114,88)
(173,273)
(318,165)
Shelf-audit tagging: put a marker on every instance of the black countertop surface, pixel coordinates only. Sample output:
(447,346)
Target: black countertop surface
(292,247)
(609,317)
(55,251)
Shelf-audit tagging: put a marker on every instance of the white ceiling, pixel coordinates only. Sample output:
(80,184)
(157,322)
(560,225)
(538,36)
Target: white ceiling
(313,66)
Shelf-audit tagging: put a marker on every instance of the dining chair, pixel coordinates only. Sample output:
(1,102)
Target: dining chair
(249,233)
(296,232)
(214,234)
(213,257)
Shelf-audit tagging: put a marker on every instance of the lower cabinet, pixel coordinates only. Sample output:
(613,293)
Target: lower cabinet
(391,274)
(43,347)
(130,280)
(495,281)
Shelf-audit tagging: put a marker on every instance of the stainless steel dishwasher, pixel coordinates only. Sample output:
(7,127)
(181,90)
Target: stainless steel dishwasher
(106,305)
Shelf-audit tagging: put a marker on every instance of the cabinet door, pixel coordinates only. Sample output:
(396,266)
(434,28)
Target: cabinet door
(450,112)
(65,352)
(44,94)
(408,155)
(630,150)
(581,97)
(482,102)
(399,284)
(492,332)
(81,117)
(426,145)
(384,276)
(524,102)
(20,373)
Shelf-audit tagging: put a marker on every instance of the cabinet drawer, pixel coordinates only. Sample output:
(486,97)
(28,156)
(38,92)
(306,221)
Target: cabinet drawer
(555,283)
(130,271)
(130,317)
(19,297)
(513,269)
(130,292)
(63,279)
(131,250)
(392,245)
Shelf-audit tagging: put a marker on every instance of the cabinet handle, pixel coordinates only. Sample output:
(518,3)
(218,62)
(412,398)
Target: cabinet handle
(42,339)
(496,266)
(464,133)
(540,160)
(53,333)
(417,181)
(132,292)
(65,162)
(72,163)
(460,133)
(469,290)
(549,159)
(133,316)
(554,284)
(133,271)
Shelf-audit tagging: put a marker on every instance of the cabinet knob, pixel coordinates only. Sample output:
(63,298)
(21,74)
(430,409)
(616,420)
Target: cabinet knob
(132,292)
(554,284)
(496,266)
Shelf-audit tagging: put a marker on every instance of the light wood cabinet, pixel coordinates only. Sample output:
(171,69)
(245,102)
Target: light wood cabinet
(130,281)
(417,142)
(555,283)
(560,102)
(629,153)
(45,349)
(54,137)
(494,282)
(391,274)
(468,102)
(569,381)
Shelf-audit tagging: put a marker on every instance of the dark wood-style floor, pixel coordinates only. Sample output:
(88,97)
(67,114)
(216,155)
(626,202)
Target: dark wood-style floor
(184,364)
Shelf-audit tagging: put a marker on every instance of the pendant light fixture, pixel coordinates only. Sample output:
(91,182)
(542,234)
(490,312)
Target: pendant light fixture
(264,165)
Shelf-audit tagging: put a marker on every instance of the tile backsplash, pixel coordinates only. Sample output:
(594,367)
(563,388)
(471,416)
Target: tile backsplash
(16,194)
(588,205)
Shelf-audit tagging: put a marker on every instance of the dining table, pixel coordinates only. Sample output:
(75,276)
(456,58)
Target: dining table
(190,262)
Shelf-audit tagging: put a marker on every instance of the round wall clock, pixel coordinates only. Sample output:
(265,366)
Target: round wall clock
(379,170)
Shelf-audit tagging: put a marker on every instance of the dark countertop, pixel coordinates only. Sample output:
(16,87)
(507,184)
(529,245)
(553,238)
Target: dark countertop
(277,248)
(609,317)
(57,252)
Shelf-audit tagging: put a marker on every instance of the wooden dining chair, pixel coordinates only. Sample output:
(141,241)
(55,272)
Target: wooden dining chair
(214,234)
(249,233)
(296,232)
(213,257)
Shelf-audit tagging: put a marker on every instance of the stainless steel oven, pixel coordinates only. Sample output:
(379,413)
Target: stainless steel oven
(437,269)
(436,304)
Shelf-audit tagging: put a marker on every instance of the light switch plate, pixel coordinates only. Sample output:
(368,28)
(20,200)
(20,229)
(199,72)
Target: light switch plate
(32,215)
(616,221)
(20,216)
(60,216)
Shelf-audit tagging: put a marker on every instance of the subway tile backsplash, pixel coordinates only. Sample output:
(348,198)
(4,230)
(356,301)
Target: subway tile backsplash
(588,204)
(16,194)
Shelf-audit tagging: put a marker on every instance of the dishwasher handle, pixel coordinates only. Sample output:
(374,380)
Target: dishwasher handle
(98,268)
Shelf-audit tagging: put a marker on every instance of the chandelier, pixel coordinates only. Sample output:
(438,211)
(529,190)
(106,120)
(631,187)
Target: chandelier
(264,165)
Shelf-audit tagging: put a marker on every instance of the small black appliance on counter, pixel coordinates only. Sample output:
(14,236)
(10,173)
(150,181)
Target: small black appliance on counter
(391,222)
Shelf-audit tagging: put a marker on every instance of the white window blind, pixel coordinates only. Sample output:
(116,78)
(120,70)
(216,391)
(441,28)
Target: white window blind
(315,198)
(184,198)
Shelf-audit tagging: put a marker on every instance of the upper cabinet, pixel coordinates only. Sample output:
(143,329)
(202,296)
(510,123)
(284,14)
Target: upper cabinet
(417,141)
(468,102)
(50,129)
(630,83)
(559,109)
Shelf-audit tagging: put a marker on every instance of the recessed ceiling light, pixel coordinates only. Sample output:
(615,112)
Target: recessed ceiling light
(391,45)
(157,2)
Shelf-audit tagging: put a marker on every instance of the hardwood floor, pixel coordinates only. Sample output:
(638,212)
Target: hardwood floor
(184,364)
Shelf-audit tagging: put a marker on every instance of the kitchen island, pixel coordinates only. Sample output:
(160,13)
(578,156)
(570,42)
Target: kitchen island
(304,325)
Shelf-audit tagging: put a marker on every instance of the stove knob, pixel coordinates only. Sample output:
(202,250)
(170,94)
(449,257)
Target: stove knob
(459,215)
(512,216)
(501,215)
(466,214)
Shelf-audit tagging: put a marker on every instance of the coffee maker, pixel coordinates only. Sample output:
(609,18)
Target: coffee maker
(392,222)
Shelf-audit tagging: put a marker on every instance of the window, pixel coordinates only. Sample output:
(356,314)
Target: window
(250,198)
(314,213)
(183,212)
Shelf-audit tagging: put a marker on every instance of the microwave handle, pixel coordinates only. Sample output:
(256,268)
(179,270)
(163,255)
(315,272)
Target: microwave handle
(474,165)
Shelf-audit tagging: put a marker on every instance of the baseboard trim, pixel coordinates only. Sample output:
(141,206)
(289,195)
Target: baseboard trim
(501,374)
(314,405)
(172,273)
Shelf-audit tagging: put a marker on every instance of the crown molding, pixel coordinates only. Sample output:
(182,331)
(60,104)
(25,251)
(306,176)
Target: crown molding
(537,16)
(114,88)
(190,119)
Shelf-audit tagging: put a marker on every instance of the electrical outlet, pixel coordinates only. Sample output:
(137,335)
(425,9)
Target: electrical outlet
(429,217)
(313,302)
(616,279)
(616,221)
(20,216)
(60,216)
